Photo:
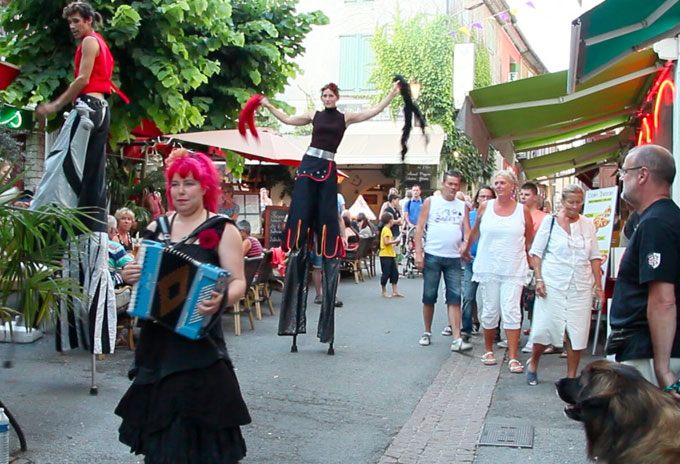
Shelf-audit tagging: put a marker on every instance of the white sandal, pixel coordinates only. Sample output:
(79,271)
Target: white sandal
(488,359)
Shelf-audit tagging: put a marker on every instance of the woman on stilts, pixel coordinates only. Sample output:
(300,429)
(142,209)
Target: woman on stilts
(314,212)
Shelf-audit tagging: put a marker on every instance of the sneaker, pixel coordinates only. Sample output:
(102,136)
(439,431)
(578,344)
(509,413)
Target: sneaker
(466,335)
(528,348)
(460,345)
(317,300)
(503,344)
(426,339)
(447,331)
(338,303)
(476,330)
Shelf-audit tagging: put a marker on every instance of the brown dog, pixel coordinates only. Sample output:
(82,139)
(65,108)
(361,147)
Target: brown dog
(627,419)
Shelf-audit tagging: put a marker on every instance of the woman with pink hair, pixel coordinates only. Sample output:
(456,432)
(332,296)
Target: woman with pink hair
(185,404)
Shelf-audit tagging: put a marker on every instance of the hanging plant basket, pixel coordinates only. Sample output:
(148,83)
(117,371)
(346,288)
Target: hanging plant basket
(8,72)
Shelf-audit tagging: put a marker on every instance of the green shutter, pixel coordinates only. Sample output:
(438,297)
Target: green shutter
(366,60)
(348,63)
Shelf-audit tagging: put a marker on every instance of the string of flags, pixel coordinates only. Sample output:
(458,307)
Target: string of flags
(502,15)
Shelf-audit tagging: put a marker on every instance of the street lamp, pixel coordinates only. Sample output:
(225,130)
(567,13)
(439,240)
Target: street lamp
(415,89)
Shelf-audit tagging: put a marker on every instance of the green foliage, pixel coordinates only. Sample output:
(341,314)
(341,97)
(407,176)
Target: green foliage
(482,67)
(466,159)
(421,49)
(32,248)
(183,63)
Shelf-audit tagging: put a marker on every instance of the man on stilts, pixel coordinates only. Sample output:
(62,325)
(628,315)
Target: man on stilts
(75,176)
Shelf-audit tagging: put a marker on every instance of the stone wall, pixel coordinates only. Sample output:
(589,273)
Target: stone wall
(35,159)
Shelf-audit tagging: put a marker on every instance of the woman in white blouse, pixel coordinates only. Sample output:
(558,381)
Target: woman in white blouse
(566,260)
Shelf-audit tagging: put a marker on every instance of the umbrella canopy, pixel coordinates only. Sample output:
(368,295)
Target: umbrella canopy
(270,146)
(615,29)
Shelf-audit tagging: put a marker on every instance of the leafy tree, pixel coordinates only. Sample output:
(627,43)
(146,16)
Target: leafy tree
(421,48)
(183,63)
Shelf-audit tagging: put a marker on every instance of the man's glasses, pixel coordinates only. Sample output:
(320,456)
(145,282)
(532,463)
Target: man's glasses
(623,171)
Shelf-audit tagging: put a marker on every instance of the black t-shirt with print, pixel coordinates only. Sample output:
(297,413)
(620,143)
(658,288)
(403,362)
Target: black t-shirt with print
(653,254)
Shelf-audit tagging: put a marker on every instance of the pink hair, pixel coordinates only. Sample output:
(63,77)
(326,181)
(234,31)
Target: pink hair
(184,162)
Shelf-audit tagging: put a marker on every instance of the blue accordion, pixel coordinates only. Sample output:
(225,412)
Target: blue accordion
(172,285)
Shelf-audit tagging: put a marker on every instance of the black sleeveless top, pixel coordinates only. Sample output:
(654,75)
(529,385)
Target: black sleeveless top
(161,352)
(328,129)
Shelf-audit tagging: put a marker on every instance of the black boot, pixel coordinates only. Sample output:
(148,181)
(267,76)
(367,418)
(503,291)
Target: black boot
(329,283)
(292,317)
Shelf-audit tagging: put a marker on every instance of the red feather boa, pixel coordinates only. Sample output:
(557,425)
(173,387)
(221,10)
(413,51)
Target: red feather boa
(247,115)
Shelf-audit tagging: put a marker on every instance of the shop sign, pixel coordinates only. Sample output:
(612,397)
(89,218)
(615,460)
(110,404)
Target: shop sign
(15,118)
(420,175)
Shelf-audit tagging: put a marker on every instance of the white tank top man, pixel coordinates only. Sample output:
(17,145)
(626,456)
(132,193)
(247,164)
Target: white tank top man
(443,216)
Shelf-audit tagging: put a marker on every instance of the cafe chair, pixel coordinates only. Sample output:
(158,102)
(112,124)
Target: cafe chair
(250,267)
(260,291)
(124,321)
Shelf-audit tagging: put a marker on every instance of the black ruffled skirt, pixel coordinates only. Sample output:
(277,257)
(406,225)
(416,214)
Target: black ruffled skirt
(190,417)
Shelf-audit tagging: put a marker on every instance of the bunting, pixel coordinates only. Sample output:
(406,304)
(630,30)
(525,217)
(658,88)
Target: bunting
(504,15)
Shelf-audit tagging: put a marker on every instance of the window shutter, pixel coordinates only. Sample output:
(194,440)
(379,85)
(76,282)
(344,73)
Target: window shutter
(348,63)
(366,59)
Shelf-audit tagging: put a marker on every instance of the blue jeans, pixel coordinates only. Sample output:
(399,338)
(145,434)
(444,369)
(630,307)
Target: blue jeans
(469,297)
(434,267)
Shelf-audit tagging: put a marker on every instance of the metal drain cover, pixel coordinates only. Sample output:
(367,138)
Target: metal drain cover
(517,436)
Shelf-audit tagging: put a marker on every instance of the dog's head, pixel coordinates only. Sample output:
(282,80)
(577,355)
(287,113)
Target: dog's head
(589,395)
(626,418)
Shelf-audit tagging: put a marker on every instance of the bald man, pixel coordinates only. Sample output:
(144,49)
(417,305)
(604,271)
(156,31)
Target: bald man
(645,308)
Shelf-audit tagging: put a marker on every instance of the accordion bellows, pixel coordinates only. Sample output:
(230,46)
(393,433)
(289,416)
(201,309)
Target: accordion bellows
(171,286)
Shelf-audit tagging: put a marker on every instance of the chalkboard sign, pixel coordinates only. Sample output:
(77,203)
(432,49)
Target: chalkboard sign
(274,217)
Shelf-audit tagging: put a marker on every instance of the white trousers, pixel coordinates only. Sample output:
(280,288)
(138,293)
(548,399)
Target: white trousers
(501,298)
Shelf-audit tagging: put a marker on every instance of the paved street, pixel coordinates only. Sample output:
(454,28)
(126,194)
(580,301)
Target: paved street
(381,398)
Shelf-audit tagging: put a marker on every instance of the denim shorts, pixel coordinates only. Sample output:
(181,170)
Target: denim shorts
(315,259)
(434,267)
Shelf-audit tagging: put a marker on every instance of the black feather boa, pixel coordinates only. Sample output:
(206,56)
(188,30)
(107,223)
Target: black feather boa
(410,111)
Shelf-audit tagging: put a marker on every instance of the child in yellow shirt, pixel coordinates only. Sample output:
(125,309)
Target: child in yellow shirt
(388,263)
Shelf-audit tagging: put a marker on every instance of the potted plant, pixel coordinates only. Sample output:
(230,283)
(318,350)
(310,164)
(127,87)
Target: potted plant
(33,245)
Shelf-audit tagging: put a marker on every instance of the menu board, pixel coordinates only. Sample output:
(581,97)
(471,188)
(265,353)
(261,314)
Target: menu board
(274,225)
(600,206)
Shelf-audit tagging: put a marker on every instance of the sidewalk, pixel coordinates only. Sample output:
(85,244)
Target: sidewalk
(446,425)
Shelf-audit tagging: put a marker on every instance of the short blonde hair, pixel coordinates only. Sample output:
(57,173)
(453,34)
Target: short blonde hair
(508,174)
(120,212)
(573,188)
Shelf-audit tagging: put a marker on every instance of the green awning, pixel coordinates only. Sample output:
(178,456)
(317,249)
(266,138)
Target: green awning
(616,29)
(537,111)
(589,154)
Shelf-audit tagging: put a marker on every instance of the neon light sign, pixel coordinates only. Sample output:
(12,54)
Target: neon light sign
(648,133)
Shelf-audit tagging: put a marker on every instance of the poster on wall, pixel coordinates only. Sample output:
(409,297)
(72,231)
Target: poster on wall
(600,206)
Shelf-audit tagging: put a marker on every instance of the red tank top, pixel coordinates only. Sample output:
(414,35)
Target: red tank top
(100,79)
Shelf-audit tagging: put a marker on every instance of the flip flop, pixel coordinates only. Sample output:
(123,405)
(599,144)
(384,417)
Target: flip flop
(397,295)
